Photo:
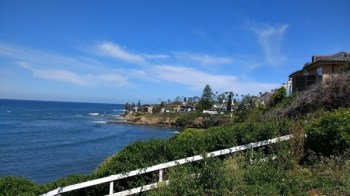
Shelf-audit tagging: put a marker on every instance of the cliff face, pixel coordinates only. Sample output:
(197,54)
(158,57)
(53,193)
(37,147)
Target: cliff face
(148,119)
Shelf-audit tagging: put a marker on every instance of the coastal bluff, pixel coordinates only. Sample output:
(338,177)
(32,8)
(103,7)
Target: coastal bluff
(151,119)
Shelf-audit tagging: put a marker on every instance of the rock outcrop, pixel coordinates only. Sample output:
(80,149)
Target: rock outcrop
(149,119)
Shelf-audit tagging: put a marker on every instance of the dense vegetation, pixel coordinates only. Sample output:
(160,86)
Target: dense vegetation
(317,165)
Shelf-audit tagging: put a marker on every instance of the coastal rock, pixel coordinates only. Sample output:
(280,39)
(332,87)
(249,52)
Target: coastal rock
(149,119)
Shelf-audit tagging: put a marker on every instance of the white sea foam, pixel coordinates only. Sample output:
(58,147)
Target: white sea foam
(119,110)
(94,114)
(100,122)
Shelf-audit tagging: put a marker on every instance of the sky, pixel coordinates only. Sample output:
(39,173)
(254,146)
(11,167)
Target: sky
(118,51)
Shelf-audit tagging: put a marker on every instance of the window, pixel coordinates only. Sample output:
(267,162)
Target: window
(319,73)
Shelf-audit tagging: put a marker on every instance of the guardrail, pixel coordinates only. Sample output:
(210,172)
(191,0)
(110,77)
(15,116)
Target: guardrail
(160,168)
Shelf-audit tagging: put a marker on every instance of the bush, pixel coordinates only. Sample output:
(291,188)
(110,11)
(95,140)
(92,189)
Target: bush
(235,175)
(186,119)
(12,185)
(330,133)
(278,96)
(207,177)
(189,143)
(238,175)
(69,180)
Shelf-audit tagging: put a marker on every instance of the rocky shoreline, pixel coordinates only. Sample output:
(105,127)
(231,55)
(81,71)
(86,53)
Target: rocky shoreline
(146,119)
(169,120)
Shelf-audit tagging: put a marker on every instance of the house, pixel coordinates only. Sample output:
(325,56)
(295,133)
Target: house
(210,112)
(166,110)
(319,69)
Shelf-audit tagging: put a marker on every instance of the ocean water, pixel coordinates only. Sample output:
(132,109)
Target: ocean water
(45,141)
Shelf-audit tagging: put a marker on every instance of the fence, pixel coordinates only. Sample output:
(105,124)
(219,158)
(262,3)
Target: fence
(160,168)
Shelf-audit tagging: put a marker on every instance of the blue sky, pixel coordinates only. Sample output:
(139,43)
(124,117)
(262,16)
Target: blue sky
(118,51)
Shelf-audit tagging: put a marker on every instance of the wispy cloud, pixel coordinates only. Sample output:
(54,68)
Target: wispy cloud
(60,75)
(80,71)
(270,37)
(204,59)
(48,59)
(196,80)
(117,52)
(155,56)
(191,77)
(91,72)
(74,78)
(112,79)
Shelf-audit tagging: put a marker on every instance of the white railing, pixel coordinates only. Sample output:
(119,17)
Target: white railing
(160,168)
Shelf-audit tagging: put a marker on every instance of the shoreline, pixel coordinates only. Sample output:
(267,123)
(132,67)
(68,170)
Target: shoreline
(146,119)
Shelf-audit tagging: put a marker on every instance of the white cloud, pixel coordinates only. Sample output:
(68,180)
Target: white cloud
(270,37)
(90,72)
(48,60)
(60,75)
(111,79)
(23,64)
(191,77)
(115,51)
(252,87)
(81,71)
(155,56)
(204,59)
(197,79)
(87,80)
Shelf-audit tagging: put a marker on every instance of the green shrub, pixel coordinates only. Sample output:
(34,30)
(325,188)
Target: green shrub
(134,156)
(330,133)
(206,178)
(12,185)
(330,175)
(237,175)
(278,96)
(186,119)
(189,143)
(69,180)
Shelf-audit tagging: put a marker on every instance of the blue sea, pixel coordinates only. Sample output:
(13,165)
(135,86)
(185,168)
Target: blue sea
(45,141)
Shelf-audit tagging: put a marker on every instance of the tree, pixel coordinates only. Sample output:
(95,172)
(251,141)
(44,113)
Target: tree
(127,106)
(220,98)
(206,101)
(177,100)
(278,96)
(229,101)
(139,104)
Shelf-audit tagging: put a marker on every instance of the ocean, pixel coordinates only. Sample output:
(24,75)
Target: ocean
(44,140)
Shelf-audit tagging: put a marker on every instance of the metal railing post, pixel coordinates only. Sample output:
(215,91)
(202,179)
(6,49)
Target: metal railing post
(111,188)
(161,175)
